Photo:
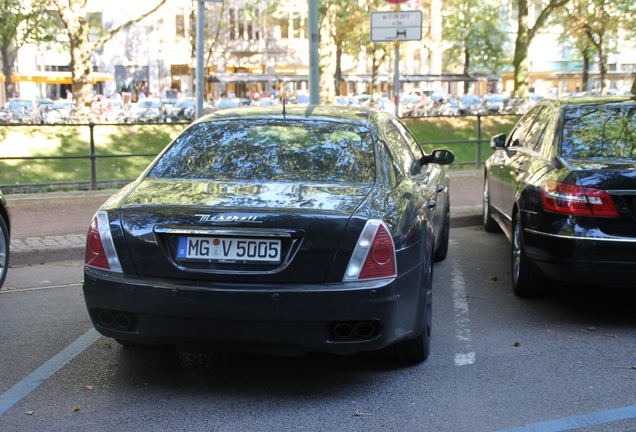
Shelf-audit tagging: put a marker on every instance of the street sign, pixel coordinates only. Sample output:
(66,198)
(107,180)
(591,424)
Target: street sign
(396,26)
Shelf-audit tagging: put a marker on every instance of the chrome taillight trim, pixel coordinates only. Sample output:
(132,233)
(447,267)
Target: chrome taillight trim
(103,225)
(362,248)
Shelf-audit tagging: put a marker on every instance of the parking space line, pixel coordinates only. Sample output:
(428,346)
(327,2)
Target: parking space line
(462,320)
(41,374)
(585,420)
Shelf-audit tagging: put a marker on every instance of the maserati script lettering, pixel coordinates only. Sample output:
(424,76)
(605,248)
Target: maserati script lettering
(228,218)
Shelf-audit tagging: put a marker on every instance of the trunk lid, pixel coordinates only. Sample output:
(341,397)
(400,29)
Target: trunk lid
(223,231)
(618,178)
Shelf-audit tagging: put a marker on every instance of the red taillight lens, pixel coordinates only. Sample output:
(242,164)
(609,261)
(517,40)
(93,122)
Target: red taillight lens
(577,200)
(100,250)
(95,255)
(374,255)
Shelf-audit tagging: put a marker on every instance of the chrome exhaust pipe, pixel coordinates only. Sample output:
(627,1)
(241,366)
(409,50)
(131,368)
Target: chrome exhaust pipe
(364,329)
(106,318)
(343,330)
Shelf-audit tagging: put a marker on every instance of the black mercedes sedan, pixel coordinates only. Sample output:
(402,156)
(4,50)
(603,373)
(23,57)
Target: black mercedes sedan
(5,227)
(562,187)
(276,230)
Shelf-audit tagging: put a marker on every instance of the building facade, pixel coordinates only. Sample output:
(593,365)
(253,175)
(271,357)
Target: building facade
(261,47)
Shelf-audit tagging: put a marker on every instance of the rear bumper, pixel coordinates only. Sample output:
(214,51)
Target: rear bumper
(285,319)
(585,260)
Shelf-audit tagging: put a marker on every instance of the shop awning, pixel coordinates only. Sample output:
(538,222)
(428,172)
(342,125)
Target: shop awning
(55,77)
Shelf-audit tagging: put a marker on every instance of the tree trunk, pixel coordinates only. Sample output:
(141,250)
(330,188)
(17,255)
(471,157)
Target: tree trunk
(585,76)
(520,60)
(73,15)
(338,75)
(81,70)
(466,66)
(602,54)
(7,62)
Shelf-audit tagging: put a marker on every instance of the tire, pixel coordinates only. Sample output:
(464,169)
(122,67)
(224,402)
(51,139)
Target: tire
(525,282)
(418,349)
(4,250)
(489,223)
(442,251)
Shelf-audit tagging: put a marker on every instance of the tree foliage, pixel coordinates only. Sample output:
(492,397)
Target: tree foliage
(476,33)
(526,31)
(22,23)
(73,15)
(596,26)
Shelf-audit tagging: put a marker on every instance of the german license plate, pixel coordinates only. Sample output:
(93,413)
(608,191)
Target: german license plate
(230,249)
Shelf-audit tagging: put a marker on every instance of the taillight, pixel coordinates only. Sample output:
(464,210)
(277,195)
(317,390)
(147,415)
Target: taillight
(100,249)
(577,200)
(374,255)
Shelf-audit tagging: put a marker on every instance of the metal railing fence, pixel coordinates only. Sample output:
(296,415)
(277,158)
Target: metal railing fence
(92,156)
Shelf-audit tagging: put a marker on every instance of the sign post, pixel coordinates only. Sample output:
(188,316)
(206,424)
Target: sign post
(198,112)
(395,27)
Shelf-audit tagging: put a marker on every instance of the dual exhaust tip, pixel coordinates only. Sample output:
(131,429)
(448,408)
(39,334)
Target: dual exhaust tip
(115,319)
(355,330)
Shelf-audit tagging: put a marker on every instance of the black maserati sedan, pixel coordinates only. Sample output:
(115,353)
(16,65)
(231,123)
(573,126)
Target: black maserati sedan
(5,226)
(562,186)
(276,230)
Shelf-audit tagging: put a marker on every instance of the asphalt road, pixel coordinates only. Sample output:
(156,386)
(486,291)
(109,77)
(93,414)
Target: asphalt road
(498,363)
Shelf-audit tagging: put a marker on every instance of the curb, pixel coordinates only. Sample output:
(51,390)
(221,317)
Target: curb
(47,255)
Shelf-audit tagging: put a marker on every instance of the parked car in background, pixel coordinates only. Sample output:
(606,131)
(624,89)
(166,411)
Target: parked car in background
(5,238)
(148,110)
(170,103)
(19,111)
(494,104)
(225,103)
(470,104)
(263,229)
(562,186)
(183,110)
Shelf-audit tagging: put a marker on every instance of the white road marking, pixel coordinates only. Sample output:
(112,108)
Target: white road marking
(462,320)
(41,374)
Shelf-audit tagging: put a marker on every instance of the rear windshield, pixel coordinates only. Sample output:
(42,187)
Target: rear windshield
(599,132)
(267,150)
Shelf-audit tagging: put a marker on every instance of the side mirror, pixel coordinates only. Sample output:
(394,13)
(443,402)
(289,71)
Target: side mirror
(439,156)
(498,141)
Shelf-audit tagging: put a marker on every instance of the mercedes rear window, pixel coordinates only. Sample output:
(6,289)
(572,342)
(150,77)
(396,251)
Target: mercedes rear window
(599,132)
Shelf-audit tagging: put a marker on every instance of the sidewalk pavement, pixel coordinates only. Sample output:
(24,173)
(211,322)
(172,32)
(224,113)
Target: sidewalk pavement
(52,227)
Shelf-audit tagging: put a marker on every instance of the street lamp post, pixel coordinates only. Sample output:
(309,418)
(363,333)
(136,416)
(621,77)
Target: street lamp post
(199,68)
(314,87)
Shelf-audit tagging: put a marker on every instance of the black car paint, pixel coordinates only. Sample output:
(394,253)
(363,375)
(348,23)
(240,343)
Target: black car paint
(287,308)
(578,249)
(5,232)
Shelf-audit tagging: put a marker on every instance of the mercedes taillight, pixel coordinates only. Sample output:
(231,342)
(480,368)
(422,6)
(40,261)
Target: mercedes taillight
(575,200)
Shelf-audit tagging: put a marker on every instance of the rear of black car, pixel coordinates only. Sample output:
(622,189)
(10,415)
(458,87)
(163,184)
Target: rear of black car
(580,226)
(260,235)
